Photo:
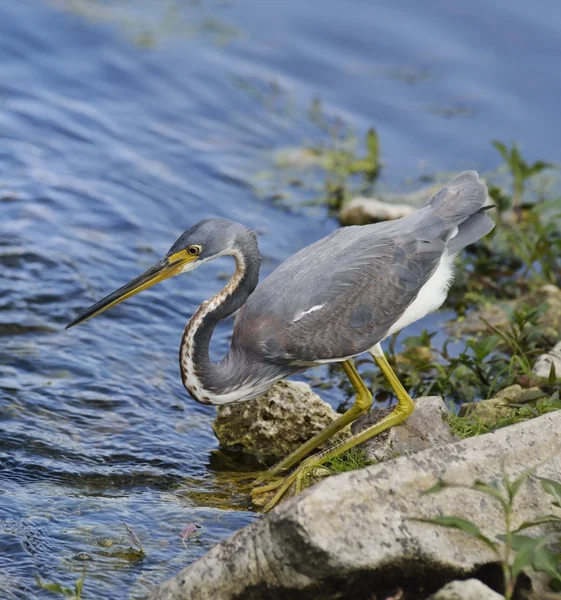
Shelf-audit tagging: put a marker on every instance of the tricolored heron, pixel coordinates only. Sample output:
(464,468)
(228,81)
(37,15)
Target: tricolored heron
(334,300)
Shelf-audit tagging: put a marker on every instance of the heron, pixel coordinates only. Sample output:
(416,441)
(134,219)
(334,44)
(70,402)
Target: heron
(332,301)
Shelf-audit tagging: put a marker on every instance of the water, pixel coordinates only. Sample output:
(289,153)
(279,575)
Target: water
(124,123)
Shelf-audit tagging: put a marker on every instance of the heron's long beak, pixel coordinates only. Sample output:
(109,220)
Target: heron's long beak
(163,269)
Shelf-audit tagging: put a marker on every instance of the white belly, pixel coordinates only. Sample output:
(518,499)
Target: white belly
(431,295)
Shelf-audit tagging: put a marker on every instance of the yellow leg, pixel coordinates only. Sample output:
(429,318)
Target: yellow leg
(363,402)
(404,408)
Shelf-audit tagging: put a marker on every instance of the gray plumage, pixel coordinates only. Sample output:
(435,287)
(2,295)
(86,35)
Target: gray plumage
(365,277)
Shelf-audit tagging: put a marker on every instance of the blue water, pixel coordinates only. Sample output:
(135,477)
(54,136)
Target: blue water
(122,124)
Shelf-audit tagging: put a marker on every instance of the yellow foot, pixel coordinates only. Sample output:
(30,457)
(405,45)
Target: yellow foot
(292,484)
(288,486)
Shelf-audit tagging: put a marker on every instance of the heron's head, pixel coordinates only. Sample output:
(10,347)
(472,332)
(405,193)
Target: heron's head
(206,240)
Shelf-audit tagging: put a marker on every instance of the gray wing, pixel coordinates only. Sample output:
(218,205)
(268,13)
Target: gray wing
(339,296)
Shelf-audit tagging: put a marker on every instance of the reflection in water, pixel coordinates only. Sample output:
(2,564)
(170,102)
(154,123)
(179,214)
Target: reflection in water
(110,150)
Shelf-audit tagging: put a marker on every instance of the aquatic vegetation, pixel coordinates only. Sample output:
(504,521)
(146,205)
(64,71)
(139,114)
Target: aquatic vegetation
(328,171)
(65,592)
(172,19)
(515,551)
(343,163)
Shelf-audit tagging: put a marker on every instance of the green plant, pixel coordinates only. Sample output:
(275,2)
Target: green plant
(501,357)
(471,425)
(515,551)
(484,366)
(520,171)
(57,588)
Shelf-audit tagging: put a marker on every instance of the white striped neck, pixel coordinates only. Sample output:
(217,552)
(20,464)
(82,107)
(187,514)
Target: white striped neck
(230,379)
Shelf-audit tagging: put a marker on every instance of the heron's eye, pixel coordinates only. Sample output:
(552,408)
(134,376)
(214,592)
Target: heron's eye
(194,250)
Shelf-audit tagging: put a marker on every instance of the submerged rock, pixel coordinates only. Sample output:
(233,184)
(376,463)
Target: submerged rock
(542,368)
(469,589)
(426,428)
(355,535)
(501,406)
(361,211)
(269,427)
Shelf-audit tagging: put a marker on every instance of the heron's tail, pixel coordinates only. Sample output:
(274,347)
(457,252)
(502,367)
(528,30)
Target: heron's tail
(461,206)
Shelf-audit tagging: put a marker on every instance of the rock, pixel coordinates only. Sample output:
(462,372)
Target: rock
(427,427)
(469,589)
(361,211)
(354,535)
(501,406)
(269,427)
(474,322)
(414,355)
(542,368)
(418,197)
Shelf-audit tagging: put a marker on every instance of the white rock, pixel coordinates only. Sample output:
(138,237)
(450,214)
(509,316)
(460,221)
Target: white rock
(355,534)
(469,589)
(361,211)
(542,367)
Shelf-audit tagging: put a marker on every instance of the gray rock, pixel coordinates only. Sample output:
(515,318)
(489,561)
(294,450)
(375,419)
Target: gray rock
(354,535)
(542,368)
(361,211)
(269,427)
(469,589)
(427,427)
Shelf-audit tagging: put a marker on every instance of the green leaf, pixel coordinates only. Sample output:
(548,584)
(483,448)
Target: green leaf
(542,559)
(373,145)
(512,487)
(80,585)
(502,149)
(553,488)
(525,548)
(53,587)
(489,489)
(552,377)
(437,487)
(519,541)
(463,525)
(546,562)
(539,521)
(537,167)
(516,158)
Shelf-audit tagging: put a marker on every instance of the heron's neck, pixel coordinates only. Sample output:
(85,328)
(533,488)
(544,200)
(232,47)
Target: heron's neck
(203,378)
